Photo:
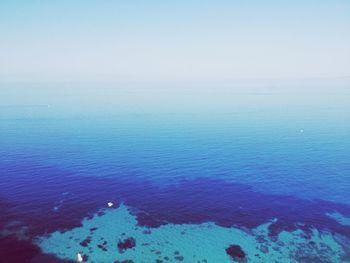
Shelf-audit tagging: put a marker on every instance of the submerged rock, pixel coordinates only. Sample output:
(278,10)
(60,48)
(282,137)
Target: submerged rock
(126,244)
(85,242)
(264,249)
(179,258)
(280,243)
(236,253)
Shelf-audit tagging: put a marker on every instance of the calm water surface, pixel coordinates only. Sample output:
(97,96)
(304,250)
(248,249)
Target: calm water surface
(235,156)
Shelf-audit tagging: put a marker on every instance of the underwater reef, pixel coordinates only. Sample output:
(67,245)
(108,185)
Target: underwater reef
(41,199)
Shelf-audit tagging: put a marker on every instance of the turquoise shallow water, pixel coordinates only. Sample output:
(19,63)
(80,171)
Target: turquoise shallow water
(187,242)
(265,168)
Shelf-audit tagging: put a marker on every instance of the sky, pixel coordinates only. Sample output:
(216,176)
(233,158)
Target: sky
(181,40)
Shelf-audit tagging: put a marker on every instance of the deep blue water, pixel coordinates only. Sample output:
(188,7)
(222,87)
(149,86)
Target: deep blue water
(236,156)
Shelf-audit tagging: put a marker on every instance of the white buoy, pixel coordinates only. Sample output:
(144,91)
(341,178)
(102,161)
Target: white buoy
(79,257)
(110,204)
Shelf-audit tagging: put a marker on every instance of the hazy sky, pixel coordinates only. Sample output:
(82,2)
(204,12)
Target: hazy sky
(174,40)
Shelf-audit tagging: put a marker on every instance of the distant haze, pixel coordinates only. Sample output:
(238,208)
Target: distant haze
(174,40)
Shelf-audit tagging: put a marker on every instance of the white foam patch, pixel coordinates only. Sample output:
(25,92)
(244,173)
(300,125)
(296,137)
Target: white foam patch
(185,243)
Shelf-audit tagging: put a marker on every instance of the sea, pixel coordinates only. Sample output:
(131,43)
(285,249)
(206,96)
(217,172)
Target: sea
(198,172)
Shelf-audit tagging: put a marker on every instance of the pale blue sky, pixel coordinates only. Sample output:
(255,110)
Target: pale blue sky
(174,40)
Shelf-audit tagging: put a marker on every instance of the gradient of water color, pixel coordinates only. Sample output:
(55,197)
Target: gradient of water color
(192,170)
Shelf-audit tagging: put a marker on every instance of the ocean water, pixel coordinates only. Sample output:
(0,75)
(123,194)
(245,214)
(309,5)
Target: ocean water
(213,172)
